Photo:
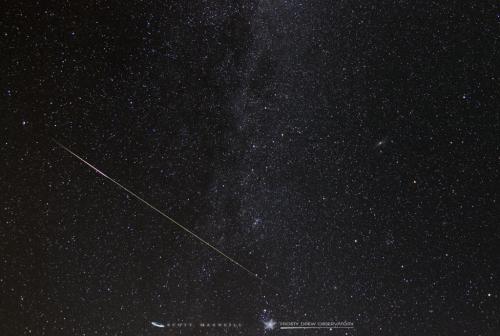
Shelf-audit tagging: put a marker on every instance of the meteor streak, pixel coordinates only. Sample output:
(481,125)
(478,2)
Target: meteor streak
(130,192)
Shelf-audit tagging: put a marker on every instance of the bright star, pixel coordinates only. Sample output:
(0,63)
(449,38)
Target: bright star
(269,325)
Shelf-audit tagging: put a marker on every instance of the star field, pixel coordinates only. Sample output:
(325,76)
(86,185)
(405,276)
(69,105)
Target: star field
(347,152)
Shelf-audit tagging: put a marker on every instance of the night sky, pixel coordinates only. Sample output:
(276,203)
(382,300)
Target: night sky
(347,152)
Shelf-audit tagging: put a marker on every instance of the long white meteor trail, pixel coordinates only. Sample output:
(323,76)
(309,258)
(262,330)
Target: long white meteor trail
(162,213)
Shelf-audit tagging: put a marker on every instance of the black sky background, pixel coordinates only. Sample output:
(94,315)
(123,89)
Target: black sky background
(345,151)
